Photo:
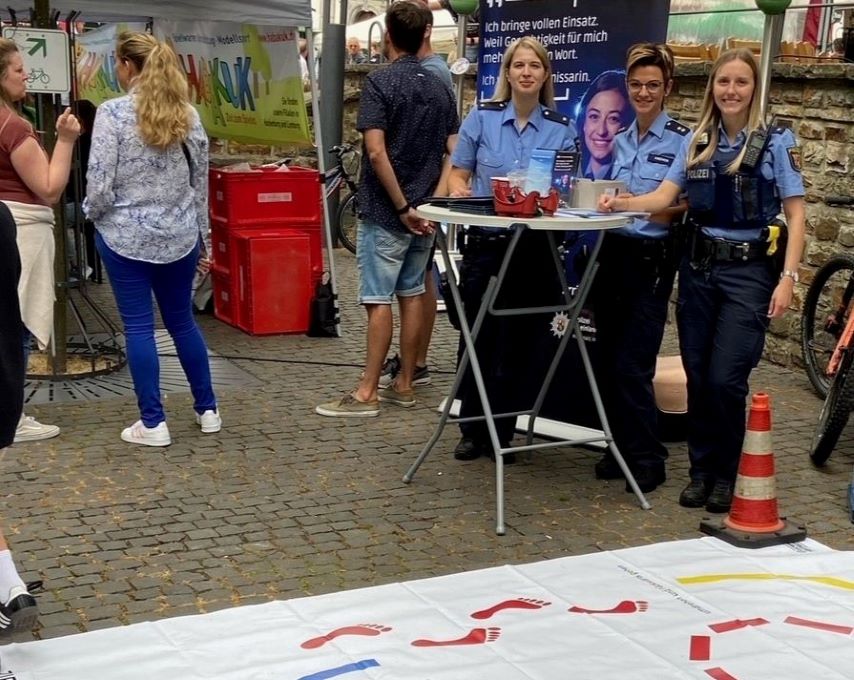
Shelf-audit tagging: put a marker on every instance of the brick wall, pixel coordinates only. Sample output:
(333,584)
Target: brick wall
(818,101)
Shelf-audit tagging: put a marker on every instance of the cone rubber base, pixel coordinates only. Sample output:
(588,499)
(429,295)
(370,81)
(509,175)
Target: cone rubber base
(790,533)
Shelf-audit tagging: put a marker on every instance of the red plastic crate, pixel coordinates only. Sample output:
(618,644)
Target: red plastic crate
(240,198)
(274,282)
(225,253)
(225,296)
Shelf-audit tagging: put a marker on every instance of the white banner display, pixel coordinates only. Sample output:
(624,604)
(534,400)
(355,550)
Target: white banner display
(673,611)
(245,80)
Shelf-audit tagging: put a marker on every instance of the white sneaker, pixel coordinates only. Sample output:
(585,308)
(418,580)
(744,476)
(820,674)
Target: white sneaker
(209,421)
(149,436)
(19,612)
(31,430)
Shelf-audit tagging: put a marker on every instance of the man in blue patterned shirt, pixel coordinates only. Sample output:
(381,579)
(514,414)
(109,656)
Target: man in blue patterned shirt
(408,120)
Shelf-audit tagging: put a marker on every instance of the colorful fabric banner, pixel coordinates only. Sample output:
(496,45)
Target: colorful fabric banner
(95,62)
(245,80)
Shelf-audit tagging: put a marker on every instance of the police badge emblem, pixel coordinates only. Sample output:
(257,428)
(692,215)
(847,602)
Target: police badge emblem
(795,158)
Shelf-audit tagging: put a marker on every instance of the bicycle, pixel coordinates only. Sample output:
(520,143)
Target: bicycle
(827,341)
(346,219)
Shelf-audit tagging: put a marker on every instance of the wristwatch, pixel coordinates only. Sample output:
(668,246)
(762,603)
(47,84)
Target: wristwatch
(791,274)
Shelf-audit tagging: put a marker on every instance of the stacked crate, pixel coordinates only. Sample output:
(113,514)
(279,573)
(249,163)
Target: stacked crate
(267,255)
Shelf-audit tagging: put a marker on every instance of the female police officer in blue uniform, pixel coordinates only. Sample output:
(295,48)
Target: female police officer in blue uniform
(497,137)
(635,277)
(736,174)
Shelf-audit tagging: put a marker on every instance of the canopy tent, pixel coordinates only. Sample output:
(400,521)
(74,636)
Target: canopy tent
(285,13)
(444,33)
(268,12)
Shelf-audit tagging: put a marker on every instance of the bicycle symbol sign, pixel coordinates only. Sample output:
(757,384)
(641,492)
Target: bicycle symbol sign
(37,75)
(46,60)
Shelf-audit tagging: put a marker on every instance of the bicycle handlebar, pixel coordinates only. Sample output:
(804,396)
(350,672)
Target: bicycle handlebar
(839,200)
(340,149)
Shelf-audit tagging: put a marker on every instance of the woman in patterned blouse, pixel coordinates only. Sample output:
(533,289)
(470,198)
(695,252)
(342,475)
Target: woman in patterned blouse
(147,190)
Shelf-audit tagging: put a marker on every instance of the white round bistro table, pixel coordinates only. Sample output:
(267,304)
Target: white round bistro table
(571,305)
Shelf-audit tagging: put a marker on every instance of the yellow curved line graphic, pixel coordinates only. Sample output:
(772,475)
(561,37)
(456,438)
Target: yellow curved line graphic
(831,581)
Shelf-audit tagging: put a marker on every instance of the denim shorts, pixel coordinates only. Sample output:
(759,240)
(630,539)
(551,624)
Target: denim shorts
(390,263)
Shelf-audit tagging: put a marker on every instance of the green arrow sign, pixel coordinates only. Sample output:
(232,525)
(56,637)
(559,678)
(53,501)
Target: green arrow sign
(38,43)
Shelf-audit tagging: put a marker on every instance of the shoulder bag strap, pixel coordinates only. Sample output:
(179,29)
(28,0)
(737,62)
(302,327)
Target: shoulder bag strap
(189,161)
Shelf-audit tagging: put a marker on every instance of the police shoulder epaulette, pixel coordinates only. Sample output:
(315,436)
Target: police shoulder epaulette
(555,116)
(492,106)
(677,127)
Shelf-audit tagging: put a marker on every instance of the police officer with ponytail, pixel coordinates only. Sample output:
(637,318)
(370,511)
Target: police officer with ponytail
(738,174)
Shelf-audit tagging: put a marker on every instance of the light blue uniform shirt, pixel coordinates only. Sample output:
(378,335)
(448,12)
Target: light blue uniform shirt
(779,163)
(643,163)
(138,196)
(490,145)
(604,171)
(439,67)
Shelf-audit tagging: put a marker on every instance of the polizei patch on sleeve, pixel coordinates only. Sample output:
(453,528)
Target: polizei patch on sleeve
(795,158)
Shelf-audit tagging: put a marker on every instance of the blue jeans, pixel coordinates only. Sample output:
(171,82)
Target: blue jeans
(133,281)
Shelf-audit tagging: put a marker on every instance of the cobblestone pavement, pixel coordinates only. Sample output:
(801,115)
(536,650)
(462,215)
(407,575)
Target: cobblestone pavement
(283,503)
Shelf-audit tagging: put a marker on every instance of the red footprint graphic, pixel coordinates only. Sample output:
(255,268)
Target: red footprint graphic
(369,629)
(625,607)
(520,603)
(477,636)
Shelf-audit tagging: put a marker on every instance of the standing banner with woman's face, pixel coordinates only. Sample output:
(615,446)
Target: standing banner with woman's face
(587,42)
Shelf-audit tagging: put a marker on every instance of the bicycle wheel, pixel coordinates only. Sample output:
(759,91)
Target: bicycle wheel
(834,413)
(347,222)
(826,309)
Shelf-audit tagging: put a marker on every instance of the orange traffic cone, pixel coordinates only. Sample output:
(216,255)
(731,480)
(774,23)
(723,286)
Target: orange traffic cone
(754,520)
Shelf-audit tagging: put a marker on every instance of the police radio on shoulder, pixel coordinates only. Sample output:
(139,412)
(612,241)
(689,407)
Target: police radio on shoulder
(756,145)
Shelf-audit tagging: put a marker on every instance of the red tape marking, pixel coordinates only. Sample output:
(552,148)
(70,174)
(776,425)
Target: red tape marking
(736,624)
(829,627)
(719,674)
(701,648)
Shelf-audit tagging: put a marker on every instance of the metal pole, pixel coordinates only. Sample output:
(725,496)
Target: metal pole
(47,106)
(461,53)
(322,167)
(824,28)
(775,16)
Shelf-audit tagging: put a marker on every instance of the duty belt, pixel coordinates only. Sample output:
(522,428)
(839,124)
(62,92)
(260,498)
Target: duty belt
(707,249)
(487,239)
(644,248)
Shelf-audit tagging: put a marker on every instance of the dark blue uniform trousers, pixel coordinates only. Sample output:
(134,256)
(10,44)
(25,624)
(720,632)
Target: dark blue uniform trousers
(11,331)
(722,317)
(504,344)
(630,294)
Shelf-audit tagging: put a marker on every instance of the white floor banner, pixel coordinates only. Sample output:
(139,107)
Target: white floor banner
(689,609)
